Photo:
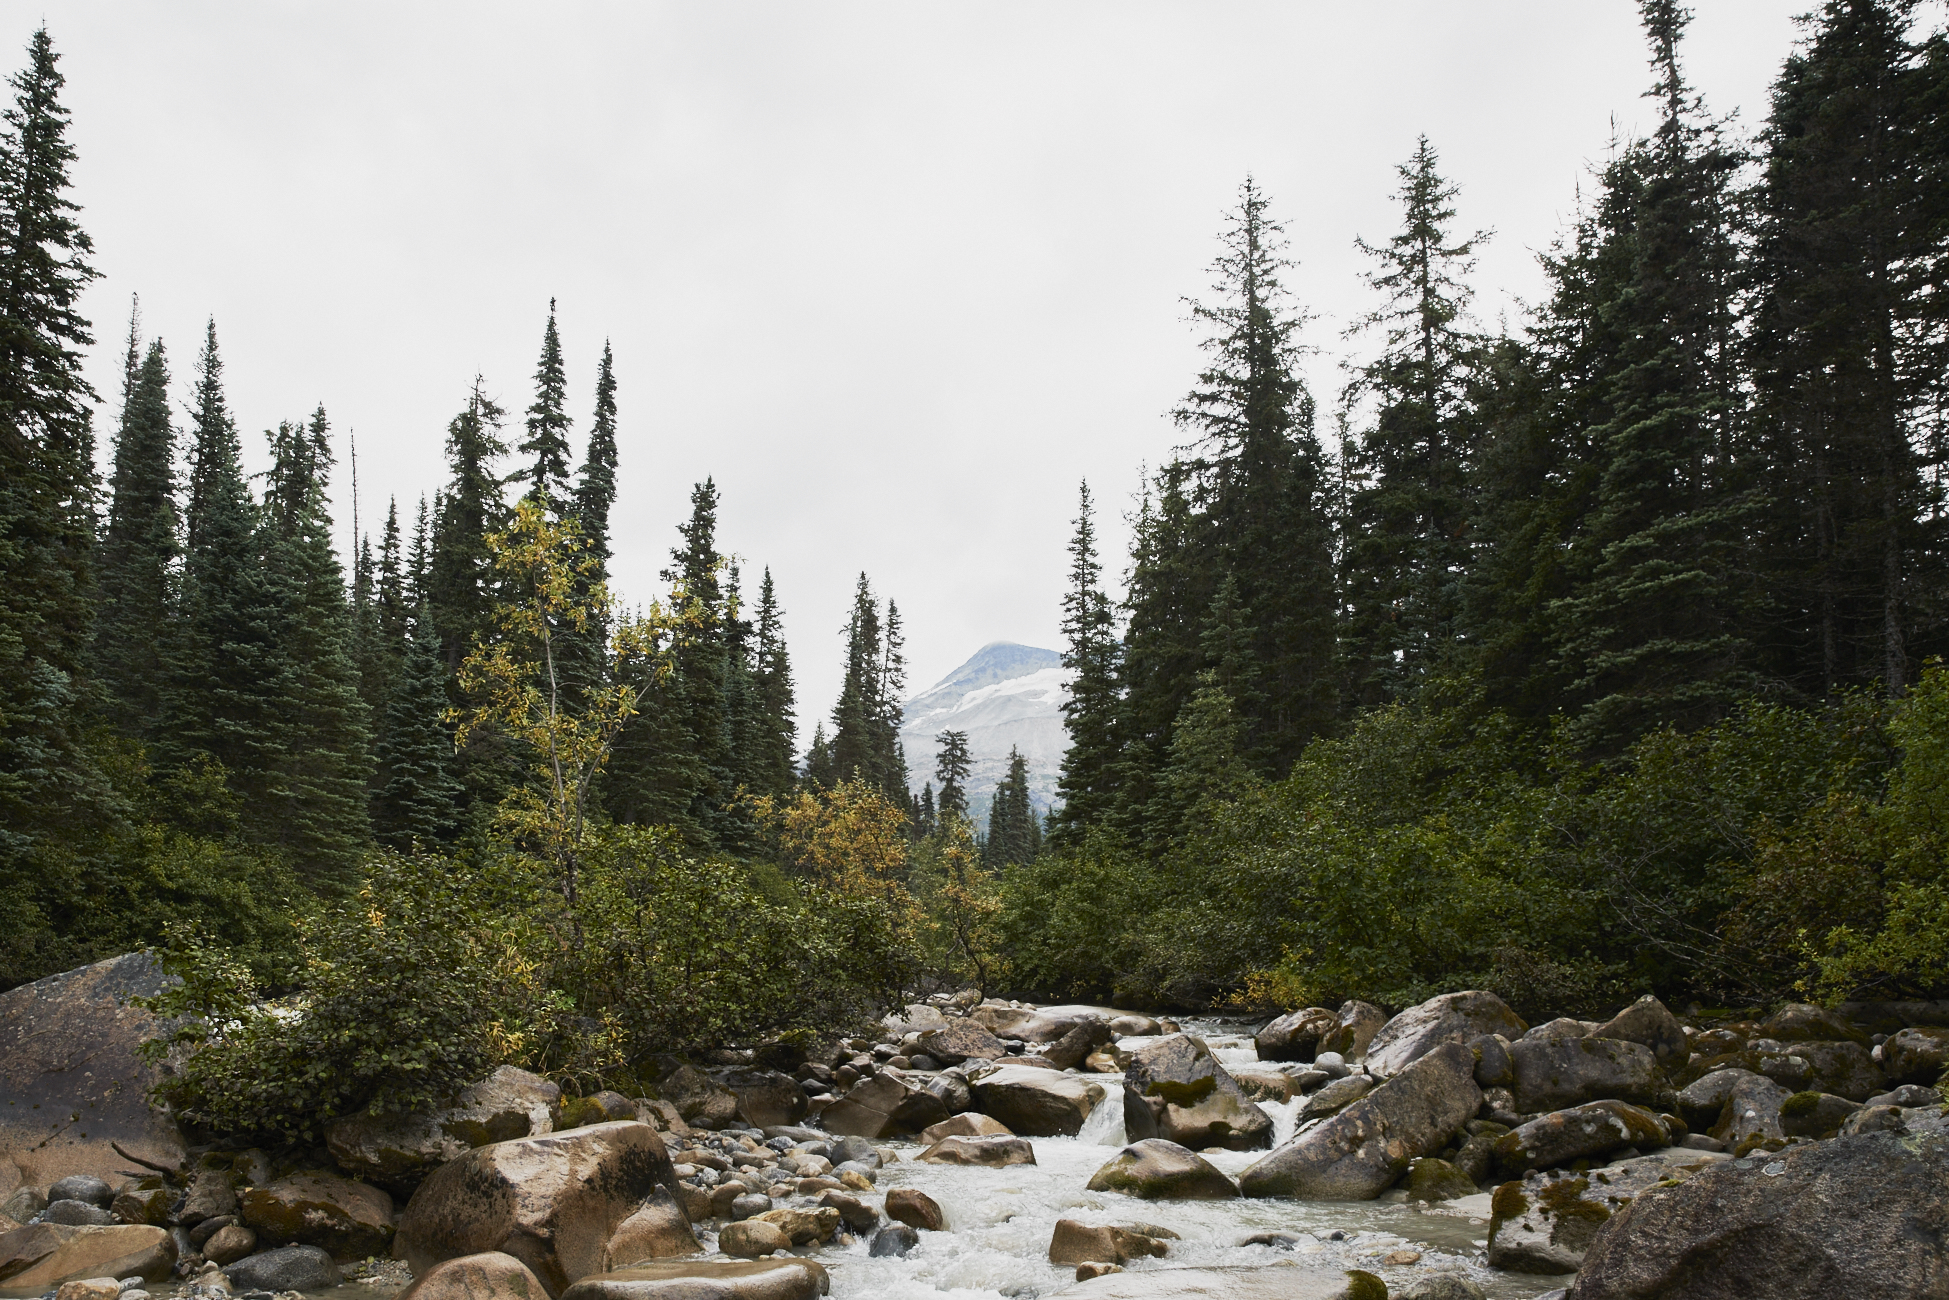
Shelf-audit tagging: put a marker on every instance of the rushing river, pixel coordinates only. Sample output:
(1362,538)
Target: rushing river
(1001,1220)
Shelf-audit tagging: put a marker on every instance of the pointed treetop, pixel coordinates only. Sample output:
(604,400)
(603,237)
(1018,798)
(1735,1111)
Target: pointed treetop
(548,422)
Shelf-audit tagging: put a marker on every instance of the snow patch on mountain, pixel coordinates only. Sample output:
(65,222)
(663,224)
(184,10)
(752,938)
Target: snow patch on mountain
(1006,695)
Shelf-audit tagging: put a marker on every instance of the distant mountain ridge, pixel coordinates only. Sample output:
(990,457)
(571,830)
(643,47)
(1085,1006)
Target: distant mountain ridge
(1006,695)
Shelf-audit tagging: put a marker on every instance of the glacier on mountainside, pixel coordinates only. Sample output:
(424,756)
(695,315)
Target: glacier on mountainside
(1005,695)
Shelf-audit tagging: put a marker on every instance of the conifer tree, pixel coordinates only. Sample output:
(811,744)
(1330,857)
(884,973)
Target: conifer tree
(584,652)
(1407,544)
(926,820)
(699,657)
(774,702)
(1844,258)
(821,769)
(461,580)
(1092,655)
(1014,835)
(417,799)
(1204,770)
(865,742)
(547,475)
(1658,629)
(134,628)
(314,808)
(951,768)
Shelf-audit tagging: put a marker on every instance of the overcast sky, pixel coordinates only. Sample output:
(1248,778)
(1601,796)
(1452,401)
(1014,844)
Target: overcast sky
(896,275)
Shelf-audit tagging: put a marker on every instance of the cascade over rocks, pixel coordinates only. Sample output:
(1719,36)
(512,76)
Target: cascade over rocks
(1358,1153)
(1175,1089)
(552,1202)
(1450,1018)
(1863,1217)
(79,1092)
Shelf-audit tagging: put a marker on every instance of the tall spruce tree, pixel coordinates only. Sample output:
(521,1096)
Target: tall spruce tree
(53,800)
(1657,631)
(315,805)
(1014,834)
(584,656)
(700,655)
(771,765)
(548,424)
(139,549)
(461,581)
(1092,654)
(951,768)
(1846,249)
(416,804)
(865,744)
(1249,499)
(1407,531)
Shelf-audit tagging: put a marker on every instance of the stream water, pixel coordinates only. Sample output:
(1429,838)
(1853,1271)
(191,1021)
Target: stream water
(1001,1219)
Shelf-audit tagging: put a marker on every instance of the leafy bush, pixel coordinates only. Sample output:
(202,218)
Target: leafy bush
(397,1002)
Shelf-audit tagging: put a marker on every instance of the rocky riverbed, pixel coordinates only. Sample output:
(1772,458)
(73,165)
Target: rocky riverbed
(986,1149)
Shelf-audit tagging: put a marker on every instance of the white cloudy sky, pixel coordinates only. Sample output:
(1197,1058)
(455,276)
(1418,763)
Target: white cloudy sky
(896,274)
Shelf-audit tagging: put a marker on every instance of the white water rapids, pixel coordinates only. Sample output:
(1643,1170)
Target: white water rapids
(1000,1220)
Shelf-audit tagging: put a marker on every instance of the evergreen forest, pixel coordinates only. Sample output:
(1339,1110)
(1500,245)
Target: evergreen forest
(1592,655)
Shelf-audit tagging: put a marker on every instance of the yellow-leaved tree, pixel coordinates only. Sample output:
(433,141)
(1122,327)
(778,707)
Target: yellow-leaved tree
(519,688)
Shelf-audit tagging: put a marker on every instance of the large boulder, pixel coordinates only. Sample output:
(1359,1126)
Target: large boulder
(1076,1046)
(75,1087)
(971,1124)
(1801,1022)
(1076,1242)
(1554,1073)
(1648,1023)
(555,1202)
(349,1220)
(986,1152)
(397,1151)
(42,1255)
(1157,1170)
(1033,1025)
(1355,1155)
(1702,1101)
(1036,1103)
(1864,1217)
(1175,1089)
(886,1105)
(287,1268)
(1296,1035)
(1282,1281)
(767,1098)
(699,1099)
(487,1276)
(1576,1134)
(1915,1055)
(1751,1113)
(914,1018)
(1450,1018)
(1354,1027)
(706,1279)
(1544,1222)
(960,1040)
(1843,1068)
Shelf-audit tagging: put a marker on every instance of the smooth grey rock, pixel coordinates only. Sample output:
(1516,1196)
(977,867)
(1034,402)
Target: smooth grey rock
(1578,1133)
(1175,1089)
(1701,1101)
(1862,1217)
(1337,1096)
(1493,1068)
(1294,1036)
(1555,1073)
(1845,1069)
(1357,1153)
(1157,1170)
(1441,1286)
(886,1105)
(76,1214)
(749,1206)
(85,1188)
(1450,1018)
(895,1239)
(1648,1023)
(1802,1022)
(288,1268)
(1036,1103)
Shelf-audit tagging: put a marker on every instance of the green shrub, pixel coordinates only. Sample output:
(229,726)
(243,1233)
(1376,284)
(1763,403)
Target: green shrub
(396,1005)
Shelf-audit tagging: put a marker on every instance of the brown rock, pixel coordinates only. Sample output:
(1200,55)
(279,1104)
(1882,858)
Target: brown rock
(960,1040)
(42,1255)
(1075,1047)
(143,1205)
(397,1151)
(916,1209)
(767,1099)
(351,1220)
(229,1244)
(489,1275)
(552,1202)
(90,1288)
(1262,1085)
(1082,1243)
(656,1229)
(1157,1170)
(1354,1027)
(883,1106)
(988,1152)
(700,1098)
(1036,1102)
(1295,1036)
(603,1107)
(1084,1272)
(752,1238)
(971,1124)
(210,1196)
(857,1214)
(802,1227)
(77,1089)
(1175,1089)
(709,1279)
